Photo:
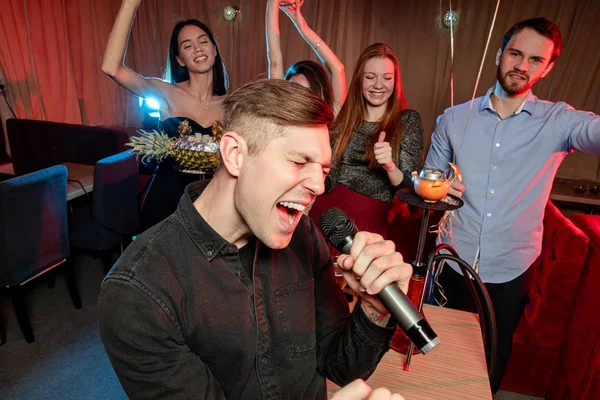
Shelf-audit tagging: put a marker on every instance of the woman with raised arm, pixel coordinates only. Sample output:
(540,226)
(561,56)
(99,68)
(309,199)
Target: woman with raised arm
(307,73)
(189,96)
(377,143)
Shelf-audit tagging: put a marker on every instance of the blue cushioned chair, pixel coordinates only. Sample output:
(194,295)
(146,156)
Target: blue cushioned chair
(113,217)
(34,236)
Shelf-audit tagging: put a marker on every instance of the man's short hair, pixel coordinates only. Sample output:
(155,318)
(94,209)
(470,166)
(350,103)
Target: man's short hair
(541,26)
(260,111)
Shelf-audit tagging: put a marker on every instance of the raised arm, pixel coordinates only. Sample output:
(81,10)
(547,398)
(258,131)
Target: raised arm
(322,50)
(113,61)
(274,56)
(582,130)
(411,147)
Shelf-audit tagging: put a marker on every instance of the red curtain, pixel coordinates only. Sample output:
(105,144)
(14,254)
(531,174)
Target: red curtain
(51,50)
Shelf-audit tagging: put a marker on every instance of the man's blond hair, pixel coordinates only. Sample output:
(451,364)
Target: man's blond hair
(260,111)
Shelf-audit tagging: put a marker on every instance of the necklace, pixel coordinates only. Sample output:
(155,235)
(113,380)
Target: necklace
(206,100)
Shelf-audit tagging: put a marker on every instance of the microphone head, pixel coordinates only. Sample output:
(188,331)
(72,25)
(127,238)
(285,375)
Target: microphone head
(337,227)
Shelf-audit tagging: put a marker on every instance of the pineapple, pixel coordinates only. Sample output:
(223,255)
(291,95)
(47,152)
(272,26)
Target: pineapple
(151,145)
(190,152)
(184,128)
(193,154)
(217,130)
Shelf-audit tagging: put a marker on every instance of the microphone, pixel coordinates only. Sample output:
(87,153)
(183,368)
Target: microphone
(339,230)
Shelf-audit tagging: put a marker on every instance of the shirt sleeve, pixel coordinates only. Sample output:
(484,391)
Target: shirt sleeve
(411,146)
(582,130)
(440,151)
(349,346)
(146,347)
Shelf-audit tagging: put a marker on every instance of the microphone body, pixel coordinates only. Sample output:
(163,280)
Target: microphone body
(339,231)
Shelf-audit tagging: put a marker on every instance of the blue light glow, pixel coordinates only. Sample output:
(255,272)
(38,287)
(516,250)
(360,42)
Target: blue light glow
(152,103)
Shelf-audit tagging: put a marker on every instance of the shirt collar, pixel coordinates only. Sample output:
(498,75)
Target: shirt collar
(527,105)
(210,243)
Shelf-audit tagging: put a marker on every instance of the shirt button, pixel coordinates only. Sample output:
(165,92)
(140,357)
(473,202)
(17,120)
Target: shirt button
(492,191)
(497,144)
(495,168)
(209,253)
(489,214)
(232,249)
(503,121)
(263,360)
(242,274)
(485,238)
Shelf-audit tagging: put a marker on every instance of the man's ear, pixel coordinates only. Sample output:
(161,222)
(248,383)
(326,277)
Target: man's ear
(548,69)
(233,152)
(498,55)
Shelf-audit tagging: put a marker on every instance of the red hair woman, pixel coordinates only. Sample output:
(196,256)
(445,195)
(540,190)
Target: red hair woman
(377,142)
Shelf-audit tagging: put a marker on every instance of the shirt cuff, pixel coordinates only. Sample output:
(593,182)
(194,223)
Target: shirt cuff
(370,332)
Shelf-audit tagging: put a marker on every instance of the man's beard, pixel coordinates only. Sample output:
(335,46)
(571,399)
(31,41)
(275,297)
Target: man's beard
(512,87)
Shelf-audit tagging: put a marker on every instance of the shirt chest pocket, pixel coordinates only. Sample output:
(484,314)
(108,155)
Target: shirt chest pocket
(296,309)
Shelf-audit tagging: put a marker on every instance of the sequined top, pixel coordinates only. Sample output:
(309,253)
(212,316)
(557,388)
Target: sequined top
(177,126)
(354,171)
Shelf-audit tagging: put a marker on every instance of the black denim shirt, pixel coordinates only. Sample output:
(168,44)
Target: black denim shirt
(180,319)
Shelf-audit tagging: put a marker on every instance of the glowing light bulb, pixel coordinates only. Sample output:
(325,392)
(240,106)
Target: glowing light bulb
(230,12)
(451,17)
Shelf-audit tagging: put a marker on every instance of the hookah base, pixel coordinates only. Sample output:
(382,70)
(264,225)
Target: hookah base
(400,343)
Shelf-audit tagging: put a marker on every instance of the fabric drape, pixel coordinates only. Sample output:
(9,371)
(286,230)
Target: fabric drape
(51,50)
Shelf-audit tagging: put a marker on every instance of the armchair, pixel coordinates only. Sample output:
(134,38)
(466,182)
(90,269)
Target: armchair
(34,237)
(113,216)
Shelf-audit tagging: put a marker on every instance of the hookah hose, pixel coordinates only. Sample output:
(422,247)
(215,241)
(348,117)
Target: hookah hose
(479,295)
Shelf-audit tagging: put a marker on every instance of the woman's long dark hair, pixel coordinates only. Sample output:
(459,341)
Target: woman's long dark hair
(175,73)
(317,78)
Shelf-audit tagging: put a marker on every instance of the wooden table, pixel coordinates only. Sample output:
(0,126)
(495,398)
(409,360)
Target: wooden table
(454,369)
(81,173)
(562,190)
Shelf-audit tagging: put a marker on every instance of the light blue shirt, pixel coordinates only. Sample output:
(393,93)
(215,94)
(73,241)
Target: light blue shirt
(508,168)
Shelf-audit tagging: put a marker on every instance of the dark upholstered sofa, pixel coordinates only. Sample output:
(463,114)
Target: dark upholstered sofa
(40,144)
(577,372)
(557,274)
